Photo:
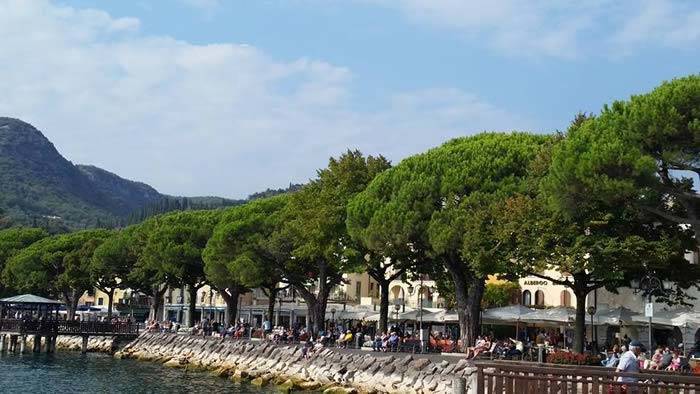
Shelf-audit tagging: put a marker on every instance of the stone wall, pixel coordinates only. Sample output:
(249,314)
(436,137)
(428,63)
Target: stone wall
(73,342)
(330,370)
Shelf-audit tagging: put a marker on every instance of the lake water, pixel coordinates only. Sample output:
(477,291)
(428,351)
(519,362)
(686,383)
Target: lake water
(72,372)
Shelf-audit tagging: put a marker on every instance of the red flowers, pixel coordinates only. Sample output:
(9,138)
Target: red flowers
(570,358)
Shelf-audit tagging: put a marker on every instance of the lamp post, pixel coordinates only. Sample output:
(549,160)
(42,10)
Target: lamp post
(179,315)
(132,299)
(649,285)
(420,306)
(594,341)
(279,313)
(211,304)
(333,316)
(203,301)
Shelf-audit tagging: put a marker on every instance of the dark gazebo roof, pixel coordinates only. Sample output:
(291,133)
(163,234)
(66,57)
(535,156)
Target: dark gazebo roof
(29,299)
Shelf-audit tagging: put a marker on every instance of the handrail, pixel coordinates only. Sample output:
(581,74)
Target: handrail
(495,376)
(68,327)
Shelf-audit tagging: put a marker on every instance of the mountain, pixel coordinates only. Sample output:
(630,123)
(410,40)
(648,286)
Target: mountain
(38,186)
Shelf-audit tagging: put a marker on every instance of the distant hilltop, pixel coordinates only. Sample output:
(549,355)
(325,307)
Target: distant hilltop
(40,187)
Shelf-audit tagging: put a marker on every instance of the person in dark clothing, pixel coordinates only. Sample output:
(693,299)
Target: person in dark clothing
(666,359)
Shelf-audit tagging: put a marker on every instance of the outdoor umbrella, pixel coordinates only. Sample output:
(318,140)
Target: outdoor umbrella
(506,314)
(614,316)
(415,315)
(560,314)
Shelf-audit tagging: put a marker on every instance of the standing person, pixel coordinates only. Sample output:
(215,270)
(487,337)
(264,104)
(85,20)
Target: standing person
(629,363)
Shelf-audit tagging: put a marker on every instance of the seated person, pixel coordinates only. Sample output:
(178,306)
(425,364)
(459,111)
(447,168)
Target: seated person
(393,342)
(656,358)
(485,347)
(666,359)
(377,343)
(515,349)
(675,365)
(345,340)
(612,360)
(479,343)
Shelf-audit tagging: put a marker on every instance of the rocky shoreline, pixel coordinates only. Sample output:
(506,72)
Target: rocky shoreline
(98,344)
(329,370)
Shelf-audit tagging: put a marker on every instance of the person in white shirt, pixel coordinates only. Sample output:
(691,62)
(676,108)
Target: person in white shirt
(630,363)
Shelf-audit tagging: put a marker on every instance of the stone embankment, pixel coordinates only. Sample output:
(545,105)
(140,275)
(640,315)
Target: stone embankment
(72,342)
(328,370)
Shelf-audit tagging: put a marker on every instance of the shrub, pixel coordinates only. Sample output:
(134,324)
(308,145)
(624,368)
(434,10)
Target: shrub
(570,358)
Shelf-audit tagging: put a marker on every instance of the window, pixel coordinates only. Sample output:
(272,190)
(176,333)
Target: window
(100,301)
(565,298)
(527,298)
(539,298)
(358,290)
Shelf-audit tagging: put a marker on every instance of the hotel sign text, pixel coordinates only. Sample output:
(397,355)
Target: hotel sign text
(536,283)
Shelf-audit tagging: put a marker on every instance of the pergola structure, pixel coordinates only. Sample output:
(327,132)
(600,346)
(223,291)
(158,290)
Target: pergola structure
(29,306)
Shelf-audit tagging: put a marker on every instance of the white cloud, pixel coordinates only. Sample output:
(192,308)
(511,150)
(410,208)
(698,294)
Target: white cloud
(560,29)
(222,119)
(673,24)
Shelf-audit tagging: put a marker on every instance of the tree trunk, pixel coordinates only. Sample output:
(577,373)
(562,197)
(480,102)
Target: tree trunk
(580,325)
(383,305)
(71,303)
(468,305)
(230,296)
(272,297)
(110,302)
(192,304)
(155,300)
(311,301)
(476,293)
(319,321)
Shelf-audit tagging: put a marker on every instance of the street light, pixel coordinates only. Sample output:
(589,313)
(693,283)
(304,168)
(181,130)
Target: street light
(180,302)
(132,299)
(591,311)
(649,285)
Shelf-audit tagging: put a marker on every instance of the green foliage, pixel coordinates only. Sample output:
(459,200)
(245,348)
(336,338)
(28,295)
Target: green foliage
(56,265)
(436,208)
(113,260)
(239,251)
(315,216)
(421,203)
(592,214)
(12,241)
(642,151)
(293,187)
(170,204)
(500,294)
(174,244)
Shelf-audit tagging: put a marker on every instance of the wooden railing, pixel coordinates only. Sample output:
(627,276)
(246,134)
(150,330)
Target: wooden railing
(527,377)
(68,327)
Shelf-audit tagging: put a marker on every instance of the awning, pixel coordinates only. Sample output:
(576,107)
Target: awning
(614,316)
(29,299)
(560,314)
(507,314)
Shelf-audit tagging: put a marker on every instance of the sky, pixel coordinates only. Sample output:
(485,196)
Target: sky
(230,97)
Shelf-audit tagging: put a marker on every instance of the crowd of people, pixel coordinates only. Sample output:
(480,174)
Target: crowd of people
(662,359)
(665,358)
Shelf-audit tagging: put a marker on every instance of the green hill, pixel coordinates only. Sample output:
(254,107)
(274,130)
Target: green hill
(40,187)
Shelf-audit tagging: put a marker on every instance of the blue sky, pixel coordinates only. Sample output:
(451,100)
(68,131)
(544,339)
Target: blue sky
(230,97)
